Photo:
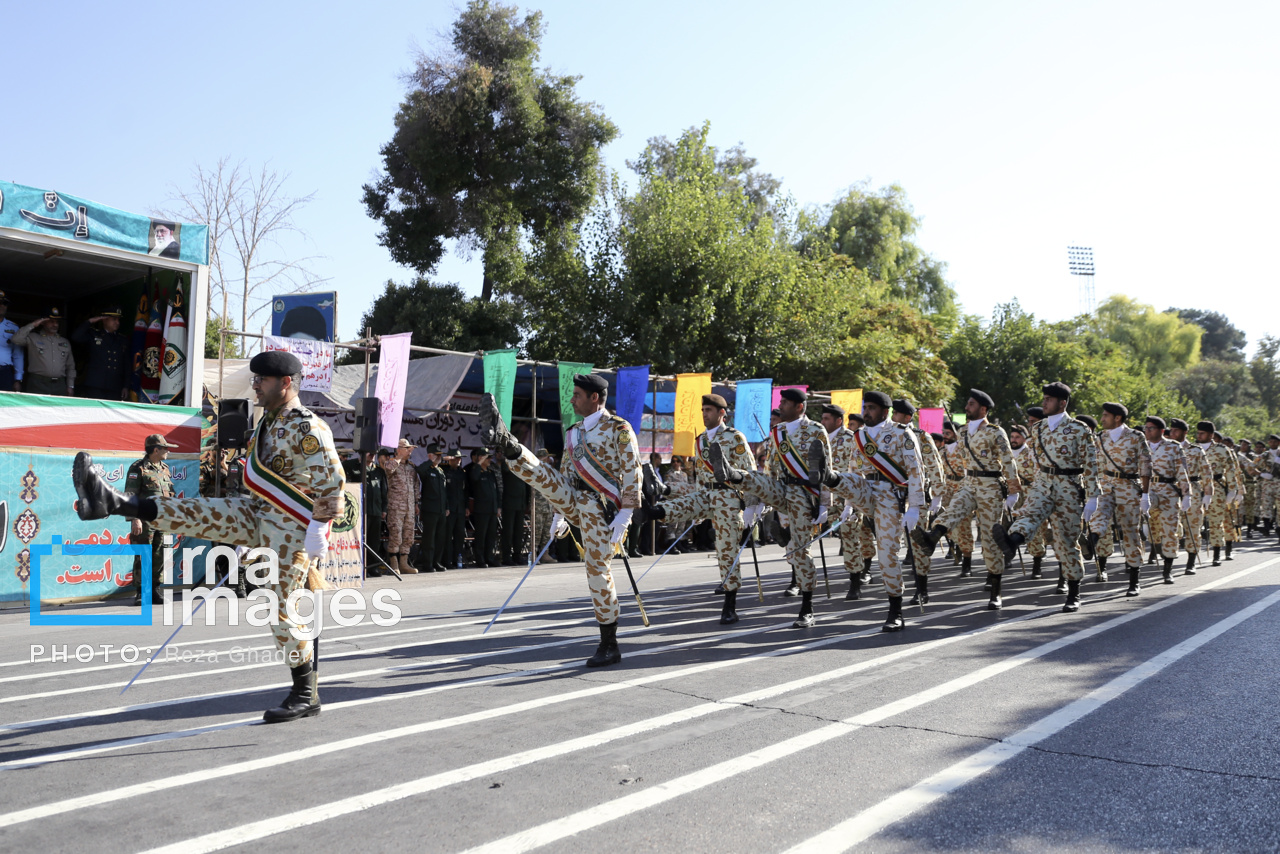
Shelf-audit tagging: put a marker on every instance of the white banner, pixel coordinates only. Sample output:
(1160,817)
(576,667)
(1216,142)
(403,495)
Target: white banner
(456,430)
(316,358)
(393,373)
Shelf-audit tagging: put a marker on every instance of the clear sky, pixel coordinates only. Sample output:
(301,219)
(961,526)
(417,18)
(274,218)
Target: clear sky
(1147,130)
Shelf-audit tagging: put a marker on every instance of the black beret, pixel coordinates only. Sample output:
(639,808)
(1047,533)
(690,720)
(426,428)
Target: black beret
(794,395)
(938,437)
(1273,436)
(1217,435)
(857,416)
(1116,409)
(879,398)
(1062,391)
(775,411)
(904,407)
(1177,424)
(275,363)
(982,397)
(1019,429)
(949,425)
(591,384)
(1156,420)
(1206,426)
(1035,412)
(1088,421)
(714,400)
(833,409)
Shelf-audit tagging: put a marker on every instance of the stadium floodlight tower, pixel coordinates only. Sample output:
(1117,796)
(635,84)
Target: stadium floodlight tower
(1080,263)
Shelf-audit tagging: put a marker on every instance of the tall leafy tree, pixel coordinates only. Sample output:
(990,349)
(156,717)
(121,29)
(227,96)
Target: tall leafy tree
(1158,341)
(1264,368)
(487,149)
(1221,340)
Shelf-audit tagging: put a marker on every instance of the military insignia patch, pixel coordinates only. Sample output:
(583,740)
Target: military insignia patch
(306,427)
(280,433)
(870,449)
(310,444)
(277,465)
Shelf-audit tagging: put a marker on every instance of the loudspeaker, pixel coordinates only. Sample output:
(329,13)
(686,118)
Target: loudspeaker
(234,427)
(368,425)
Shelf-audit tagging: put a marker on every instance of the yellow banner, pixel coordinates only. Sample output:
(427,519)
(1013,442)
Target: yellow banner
(689,391)
(850,399)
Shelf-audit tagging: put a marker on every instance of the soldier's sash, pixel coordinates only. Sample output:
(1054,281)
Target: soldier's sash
(592,471)
(791,460)
(879,461)
(275,490)
(704,452)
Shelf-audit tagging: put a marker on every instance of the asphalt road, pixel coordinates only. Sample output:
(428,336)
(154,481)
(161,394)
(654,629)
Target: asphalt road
(1146,723)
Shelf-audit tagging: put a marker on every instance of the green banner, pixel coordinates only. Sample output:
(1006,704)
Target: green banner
(500,379)
(567,369)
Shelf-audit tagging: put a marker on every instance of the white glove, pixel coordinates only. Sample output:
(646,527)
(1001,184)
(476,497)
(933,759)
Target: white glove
(751,514)
(619,525)
(935,505)
(822,515)
(559,527)
(317,541)
(1186,502)
(846,513)
(1233,496)
(1010,501)
(1089,507)
(1207,500)
(911,518)
(1266,475)
(1145,504)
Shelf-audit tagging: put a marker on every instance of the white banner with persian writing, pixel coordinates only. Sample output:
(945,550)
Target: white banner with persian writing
(316,358)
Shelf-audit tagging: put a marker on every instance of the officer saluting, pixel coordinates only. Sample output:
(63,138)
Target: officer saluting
(108,351)
(149,477)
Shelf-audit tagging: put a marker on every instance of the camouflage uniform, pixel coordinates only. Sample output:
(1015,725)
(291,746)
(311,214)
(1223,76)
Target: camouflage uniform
(988,457)
(1269,484)
(931,469)
(1027,468)
(722,504)
(402,494)
(1068,477)
(1249,471)
(961,531)
(1226,479)
(852,532)
(292,445)
(1125,460)
(1200,475)
(148,480)
(1169,484)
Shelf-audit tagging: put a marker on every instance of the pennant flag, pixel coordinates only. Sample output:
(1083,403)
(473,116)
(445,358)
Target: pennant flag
(850,399)
(151,353)
(393,374)
(632,385)
(567,369)
(138,345)
(931,420)
(777,393)
(751,408)
(500,379)
(173,363)
(689,391)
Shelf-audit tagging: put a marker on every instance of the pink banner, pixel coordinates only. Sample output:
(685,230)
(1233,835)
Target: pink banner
(931,420)
(393,373)
(777,392)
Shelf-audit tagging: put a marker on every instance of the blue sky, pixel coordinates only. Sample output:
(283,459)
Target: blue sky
(1147,130)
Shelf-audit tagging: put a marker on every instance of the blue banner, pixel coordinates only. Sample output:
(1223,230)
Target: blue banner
(73,218)
(663,402)
(311,316)
(754,400)
(632,386)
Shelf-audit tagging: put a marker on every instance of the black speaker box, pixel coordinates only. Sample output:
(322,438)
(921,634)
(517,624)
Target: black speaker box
(368,425)
(234,426)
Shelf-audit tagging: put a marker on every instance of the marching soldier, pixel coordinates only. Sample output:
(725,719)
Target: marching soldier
(1106,542)
(1249,470)
(1269,474)
(840,438)
(295,481)
(864,527)
(51,366)
(931,472)
(1037,546)
(1170,493)
(955,470)
(107,365)
(1226,488)
(718,502)
(1125,482)
(1068,461)
(990,482)
(1025,462)
(791,485)
(150,478)
(402,501)
(597,489)
(1200,476)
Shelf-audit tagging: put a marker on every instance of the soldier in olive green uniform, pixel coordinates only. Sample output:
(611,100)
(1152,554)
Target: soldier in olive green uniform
(51,367)
(149,477)
(455,514)
(107,362)
(376,489)
(431,556)
(482,506)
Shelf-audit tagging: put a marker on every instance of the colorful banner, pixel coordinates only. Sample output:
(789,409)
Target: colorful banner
(343,564)
(567,369)
(629,395)
(73,218)
(455,430)
(689,391)
(316,358)
(500,379)
(959,418)
(850,399)
(173,362)
(393,373)
(78,423)
(152,352)
(751,408)
(931,419)
(777,393)
(308,316)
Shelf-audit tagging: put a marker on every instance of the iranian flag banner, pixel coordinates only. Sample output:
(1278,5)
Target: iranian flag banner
(43,421)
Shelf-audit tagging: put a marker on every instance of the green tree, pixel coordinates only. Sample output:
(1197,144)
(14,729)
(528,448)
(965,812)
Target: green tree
(1158,341)
(1213,384)
(1251,422)
(487,149)
(1221,339)
(234,347)
(1264,368)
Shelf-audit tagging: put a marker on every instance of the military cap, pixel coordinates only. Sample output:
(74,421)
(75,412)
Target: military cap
(1177,424)
(938,437)
(903,406)
(480,452)
(1062,391)
(857,416)
(54,313)
(949,425)
(1156,420)
(111,311)
(833,409)
(156,440)
(1242,441)
(433,448)
(1019,429)
(1116,409)
(455,453)
(1206,426)
(275,363)
(386,452)
(794,395)
(1273,436)
(1088,421)
(1217,435)
(542,453)
(1035,412)
(591,384)
(714,400)
(404,443)
(879,398)
(982,397)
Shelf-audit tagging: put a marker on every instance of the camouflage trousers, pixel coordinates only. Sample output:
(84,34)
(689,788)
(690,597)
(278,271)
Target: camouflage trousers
(724,508)
(250,522)
(1166,510)
(399,529)
(583,509)
(797,503)
(981,497)
(1193,522)
(1268,495)
(881,502)
(857,541)
(961,531)
(1059,501)
(1220,529)
(1249,507)
(1121,502)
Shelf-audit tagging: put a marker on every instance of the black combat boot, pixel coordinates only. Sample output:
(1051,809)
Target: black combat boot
(1092,541)
(855,587)
(1191,563)
(493,431)
(1217,556)
(966,566)
(1248,531)
(1062,582)
(894,622)
(927,541)
(1134,577)
(1229,543)
(1036,570)
(1073,596)
(729,615)
(1005,541)
(995,603)
(607,652)
(1151,555)
(1102,569)
(806,619)
(303,700)
(720,468)
(922,590)
(97,500)
(866,570)
(986,585)
(793,589)
(1168,570)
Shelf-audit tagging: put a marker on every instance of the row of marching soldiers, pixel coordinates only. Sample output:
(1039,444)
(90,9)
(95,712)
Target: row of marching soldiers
(886,486)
